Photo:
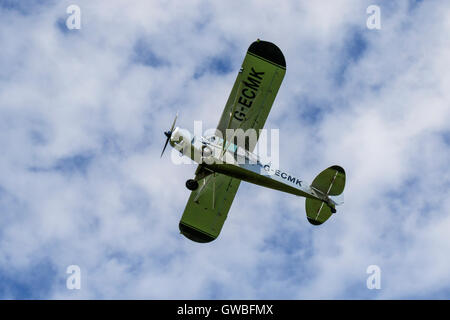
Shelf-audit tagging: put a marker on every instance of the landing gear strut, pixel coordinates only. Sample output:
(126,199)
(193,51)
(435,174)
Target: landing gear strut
(191,184)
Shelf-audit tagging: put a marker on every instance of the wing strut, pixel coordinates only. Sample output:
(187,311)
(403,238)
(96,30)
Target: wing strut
(205,182)
(240,125)
(214,191)
(199,192)
(231,115)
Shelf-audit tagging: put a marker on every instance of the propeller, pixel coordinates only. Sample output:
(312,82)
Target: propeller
(168,134)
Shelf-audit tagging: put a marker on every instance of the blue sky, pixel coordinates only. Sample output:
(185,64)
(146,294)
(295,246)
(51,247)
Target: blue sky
(82,115)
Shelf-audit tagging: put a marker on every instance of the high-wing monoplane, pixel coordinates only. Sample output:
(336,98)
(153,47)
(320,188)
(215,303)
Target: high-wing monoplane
(225,158)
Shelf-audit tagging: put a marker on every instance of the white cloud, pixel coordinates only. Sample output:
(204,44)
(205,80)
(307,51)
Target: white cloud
(69,96)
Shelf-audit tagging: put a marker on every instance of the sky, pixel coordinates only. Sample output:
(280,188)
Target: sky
(82,115)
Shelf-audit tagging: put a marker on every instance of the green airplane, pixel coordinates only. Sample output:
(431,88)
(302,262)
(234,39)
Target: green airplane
(225,158)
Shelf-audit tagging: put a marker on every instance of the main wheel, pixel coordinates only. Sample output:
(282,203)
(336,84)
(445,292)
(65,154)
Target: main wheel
(191,184)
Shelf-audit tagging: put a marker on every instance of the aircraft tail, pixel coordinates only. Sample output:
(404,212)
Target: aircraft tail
(330,182)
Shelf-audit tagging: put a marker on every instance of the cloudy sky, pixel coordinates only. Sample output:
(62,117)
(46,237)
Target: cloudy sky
(82,115)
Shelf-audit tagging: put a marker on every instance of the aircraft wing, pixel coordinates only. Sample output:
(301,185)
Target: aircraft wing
(247,107)
(254,91)
(208,206)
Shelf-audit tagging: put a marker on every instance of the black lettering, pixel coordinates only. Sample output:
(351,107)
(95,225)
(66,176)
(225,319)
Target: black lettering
(291,179)
(267,167)
(245,102)
(245,95)
(299,182)
(277,172)
(285,175)
(256,74)
(240,115)
(254,83)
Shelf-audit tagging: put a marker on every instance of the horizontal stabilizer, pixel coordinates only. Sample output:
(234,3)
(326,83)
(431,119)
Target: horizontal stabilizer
(317,211)
(330,181)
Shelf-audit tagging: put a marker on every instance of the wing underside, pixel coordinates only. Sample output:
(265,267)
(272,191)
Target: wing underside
(247,107)
(208,206)
(254,91)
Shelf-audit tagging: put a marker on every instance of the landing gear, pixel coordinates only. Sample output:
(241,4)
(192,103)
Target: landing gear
(333,210)
(191,184)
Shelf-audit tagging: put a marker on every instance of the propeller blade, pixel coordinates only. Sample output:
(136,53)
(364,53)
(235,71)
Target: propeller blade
(173,124)
(168,134)
(165,145)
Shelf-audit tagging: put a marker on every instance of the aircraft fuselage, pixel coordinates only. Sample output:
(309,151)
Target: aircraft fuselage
(234,161)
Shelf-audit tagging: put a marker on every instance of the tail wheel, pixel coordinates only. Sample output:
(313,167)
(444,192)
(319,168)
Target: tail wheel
(192,184)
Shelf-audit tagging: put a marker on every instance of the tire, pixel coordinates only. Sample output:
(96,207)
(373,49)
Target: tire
(191,184)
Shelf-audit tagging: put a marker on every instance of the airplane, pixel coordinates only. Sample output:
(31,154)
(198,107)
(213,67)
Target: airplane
(224,159)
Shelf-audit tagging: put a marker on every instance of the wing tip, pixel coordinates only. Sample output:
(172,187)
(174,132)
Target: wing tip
(314,222)
(338,169)
(268,51)
(194,235)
